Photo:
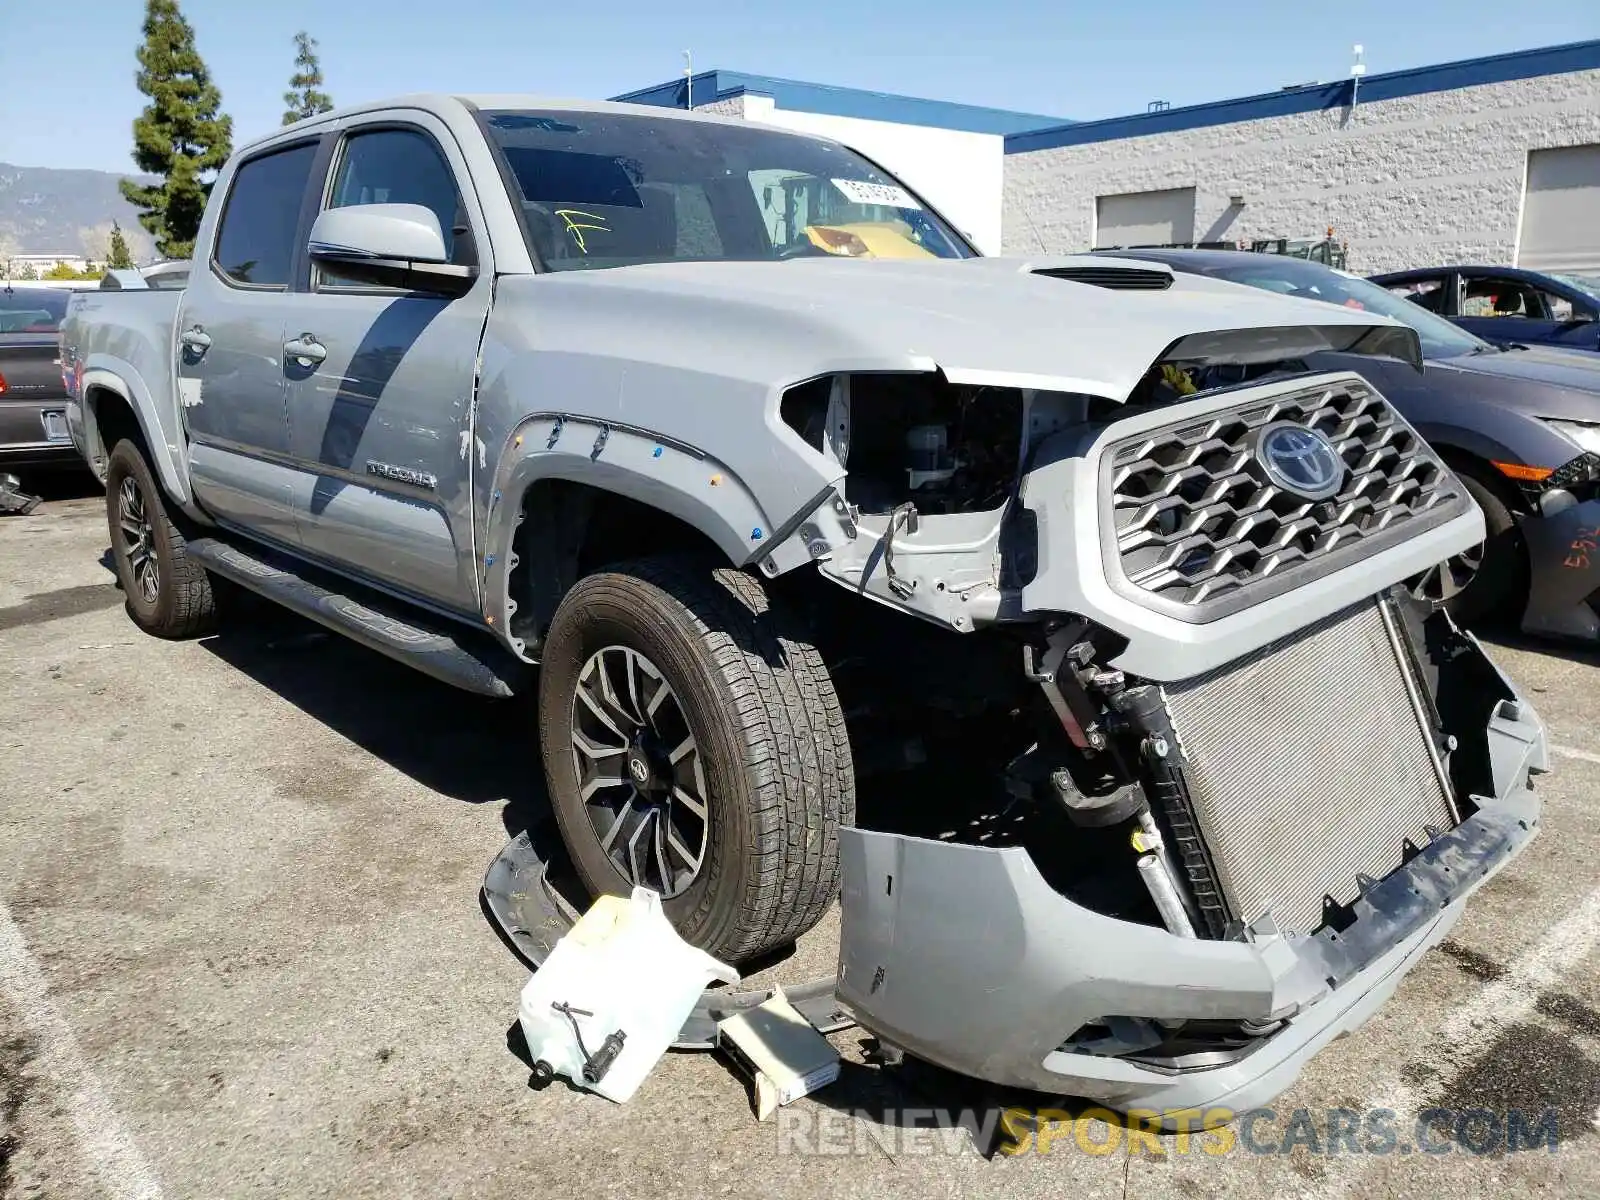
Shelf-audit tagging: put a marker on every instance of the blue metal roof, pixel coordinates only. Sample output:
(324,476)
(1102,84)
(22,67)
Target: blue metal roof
(1392,85)
(841,102)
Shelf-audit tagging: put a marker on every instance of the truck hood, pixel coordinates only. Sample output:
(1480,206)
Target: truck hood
(985,321)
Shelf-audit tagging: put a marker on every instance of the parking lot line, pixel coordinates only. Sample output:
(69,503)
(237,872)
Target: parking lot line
(1470,1028)
(1573,752)
(104,1142)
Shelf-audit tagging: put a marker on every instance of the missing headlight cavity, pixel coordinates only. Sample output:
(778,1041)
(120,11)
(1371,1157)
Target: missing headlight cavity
(914,438)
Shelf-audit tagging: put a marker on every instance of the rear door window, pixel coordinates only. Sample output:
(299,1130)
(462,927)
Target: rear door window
(256,239)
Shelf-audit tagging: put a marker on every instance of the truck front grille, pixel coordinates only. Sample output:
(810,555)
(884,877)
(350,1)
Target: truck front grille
(1308,767)
(1197,530)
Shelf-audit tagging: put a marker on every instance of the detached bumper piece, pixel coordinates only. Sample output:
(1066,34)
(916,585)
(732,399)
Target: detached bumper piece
(965,956)
(522,896)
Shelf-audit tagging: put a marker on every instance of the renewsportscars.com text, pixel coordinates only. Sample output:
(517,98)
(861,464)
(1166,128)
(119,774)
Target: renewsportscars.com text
(816,1130)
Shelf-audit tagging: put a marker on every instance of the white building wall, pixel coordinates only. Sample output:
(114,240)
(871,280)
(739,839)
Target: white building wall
(959,173)
(1406,182)
(733,106)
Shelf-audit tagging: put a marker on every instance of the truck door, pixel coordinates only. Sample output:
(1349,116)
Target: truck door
(230,344)
(380,404)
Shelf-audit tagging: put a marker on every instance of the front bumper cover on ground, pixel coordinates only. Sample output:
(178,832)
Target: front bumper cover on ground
(964,956)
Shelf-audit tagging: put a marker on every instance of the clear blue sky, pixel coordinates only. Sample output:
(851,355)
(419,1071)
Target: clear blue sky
(67,65)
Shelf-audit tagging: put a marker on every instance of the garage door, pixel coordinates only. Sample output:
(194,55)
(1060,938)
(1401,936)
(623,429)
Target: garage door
(1144,218)
(1561,211)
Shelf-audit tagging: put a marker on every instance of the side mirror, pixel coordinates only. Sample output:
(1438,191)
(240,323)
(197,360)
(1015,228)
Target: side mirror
(391,245)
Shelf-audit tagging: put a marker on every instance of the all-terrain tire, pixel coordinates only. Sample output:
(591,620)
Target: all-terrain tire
(166,592)
(1500,588)
(756,697)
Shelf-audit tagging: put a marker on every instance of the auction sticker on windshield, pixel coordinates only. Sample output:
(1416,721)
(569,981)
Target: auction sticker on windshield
(859,192)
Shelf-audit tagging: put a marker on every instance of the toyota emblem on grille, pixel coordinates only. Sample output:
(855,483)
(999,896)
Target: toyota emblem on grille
(1300,460)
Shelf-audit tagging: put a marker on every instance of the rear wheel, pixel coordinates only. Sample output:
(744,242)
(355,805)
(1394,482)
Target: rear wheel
(1500,587)
(168,594)
(694,745)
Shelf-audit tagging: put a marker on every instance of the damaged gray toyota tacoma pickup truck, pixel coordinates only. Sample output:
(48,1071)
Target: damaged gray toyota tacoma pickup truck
(1042,613)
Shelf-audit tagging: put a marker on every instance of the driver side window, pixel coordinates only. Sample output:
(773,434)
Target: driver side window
(400,166)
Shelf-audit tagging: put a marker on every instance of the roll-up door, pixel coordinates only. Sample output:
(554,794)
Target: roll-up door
(1144,218)
(1561,211)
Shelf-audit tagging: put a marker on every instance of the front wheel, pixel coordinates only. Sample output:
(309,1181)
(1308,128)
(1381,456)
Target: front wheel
(694,745)
(168,594)
(1499,588)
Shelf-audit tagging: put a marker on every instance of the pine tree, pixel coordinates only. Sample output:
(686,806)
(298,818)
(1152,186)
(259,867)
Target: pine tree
(181,136)
(304,97)
(117,256)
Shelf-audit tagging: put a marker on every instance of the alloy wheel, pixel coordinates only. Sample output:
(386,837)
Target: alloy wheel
(639,771)
(138,539)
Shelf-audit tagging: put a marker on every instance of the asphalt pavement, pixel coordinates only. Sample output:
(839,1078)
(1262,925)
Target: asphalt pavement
(242,954)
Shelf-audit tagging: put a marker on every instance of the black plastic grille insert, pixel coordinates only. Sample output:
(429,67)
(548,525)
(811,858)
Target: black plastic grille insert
(1198,524)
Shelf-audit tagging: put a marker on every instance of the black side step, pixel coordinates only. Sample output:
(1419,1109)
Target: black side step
(475,666)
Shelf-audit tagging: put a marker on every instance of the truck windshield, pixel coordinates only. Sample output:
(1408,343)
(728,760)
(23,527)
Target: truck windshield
(609,190)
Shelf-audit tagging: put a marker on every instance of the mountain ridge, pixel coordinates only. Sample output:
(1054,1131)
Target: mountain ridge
(46,210)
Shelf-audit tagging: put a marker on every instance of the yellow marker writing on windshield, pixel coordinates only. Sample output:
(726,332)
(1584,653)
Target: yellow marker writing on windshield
(576,227)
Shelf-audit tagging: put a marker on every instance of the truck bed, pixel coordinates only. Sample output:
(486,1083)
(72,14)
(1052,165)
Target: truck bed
(125,340)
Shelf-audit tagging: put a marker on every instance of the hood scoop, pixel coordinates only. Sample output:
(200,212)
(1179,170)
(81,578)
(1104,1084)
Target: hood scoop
(1120,279)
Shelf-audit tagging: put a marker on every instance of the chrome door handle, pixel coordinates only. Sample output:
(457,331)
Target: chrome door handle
(195,339)
(306,348)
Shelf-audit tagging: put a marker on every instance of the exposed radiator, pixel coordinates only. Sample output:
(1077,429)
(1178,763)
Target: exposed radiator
(1308,766)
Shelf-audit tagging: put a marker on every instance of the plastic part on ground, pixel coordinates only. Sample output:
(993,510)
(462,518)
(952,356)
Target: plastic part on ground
(613,994)
(521,896)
